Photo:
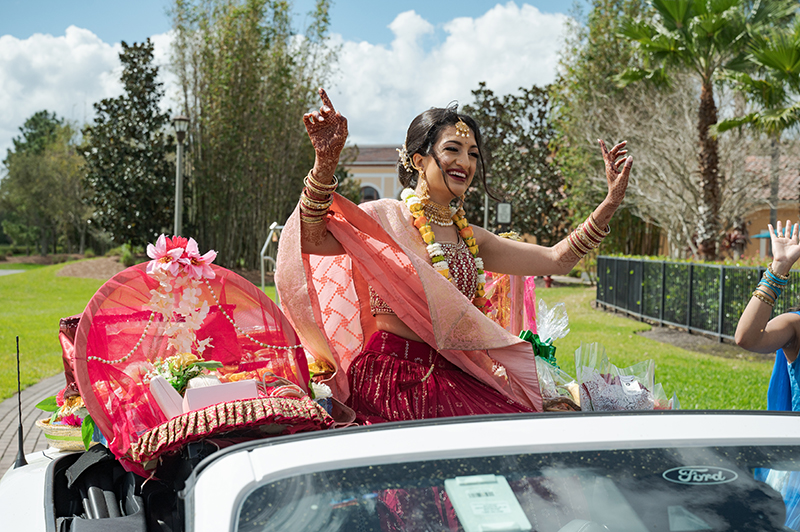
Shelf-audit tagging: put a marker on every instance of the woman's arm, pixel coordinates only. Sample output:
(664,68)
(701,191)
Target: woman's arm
(502,255)
(755,331)
(327,130)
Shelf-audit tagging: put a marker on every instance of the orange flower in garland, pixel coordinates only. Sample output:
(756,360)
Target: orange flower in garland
(435,251)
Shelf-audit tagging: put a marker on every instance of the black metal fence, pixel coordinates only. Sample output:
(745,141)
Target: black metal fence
(697,297)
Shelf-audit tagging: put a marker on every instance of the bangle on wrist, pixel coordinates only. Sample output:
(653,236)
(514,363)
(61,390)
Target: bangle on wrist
(764,299)
(779,276)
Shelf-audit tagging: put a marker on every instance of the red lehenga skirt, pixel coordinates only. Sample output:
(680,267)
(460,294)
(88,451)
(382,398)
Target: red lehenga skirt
(394,379)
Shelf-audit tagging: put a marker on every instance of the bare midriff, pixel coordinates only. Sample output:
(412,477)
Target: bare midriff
(392,324)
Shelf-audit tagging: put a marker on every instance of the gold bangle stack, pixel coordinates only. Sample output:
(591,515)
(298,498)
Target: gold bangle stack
(316,199)
(586,237)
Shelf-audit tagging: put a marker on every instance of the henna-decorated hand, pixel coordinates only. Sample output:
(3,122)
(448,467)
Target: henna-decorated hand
(327,130)
(785,246)
(617,171)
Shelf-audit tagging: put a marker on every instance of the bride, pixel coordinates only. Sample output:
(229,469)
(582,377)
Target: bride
(390,293)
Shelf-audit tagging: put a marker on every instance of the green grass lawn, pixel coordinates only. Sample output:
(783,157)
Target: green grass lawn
(701,381)
(32,304)
(34,301)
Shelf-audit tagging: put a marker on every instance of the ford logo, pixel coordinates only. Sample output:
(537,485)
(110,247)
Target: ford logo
(699,475)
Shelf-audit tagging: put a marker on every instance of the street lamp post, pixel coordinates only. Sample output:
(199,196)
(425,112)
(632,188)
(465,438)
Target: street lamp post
(181,125)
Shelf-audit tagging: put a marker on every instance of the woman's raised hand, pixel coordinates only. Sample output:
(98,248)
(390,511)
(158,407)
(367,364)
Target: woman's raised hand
(617,171)
(785,246)
(327,130)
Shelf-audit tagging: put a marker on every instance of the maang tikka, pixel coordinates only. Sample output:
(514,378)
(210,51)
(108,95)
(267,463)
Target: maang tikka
(462,129)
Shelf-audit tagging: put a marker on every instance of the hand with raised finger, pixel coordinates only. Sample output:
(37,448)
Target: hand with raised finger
(327,130)
(785,246)
(618,171)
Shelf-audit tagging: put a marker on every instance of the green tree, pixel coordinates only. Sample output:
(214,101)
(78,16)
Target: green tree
(704,37)
(518,136)
(130,172)
(38,131)
(773,89)
(247,78)
(41,195)
(584,96)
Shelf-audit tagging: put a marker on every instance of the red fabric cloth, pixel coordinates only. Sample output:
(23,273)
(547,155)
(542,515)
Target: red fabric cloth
(395,379)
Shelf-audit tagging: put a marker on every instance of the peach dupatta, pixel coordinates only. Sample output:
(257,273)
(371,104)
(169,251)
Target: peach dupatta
(326,299)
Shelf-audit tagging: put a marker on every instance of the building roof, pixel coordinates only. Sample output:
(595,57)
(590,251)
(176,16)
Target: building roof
(376,155)
(789,181)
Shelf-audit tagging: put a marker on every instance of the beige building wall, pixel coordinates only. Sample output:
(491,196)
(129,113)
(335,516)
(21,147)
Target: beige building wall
(375,167)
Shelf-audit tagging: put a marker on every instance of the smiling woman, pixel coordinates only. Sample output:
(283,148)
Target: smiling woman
(390,295)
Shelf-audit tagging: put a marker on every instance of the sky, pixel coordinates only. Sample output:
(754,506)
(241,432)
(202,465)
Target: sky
(396,59)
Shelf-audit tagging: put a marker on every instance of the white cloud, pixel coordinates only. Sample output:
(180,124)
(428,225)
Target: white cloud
(65,74)
(380,89)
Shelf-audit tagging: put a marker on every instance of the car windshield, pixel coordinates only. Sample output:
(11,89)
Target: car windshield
(634,490)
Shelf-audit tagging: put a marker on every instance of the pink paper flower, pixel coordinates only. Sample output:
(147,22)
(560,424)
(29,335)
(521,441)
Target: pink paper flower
(60,397)
(165,257)
(72,420)
(196,265)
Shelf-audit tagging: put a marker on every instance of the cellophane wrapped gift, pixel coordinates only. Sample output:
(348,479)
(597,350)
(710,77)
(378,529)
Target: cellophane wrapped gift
(606,387)
(554,382)
(552,323)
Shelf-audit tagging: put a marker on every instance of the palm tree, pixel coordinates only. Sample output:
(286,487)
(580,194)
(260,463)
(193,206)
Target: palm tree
(774,88)
(704,37)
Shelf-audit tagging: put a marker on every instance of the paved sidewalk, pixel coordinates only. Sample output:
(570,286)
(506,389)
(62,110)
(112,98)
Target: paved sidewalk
(34,439)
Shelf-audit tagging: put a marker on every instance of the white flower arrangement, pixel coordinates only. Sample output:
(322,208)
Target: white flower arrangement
(435,250)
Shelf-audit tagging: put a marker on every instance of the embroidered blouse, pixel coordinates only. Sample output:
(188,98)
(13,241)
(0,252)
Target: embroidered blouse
(462,271)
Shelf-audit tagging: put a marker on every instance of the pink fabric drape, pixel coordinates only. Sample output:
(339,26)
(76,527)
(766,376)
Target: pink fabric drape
(327,301)
(119,338)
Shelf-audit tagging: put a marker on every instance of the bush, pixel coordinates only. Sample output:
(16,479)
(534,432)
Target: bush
(89,253)
(127,258)
(115,252)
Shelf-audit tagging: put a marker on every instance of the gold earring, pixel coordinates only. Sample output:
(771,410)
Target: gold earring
(422,187)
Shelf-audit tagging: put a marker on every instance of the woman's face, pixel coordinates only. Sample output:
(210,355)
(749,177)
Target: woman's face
(459,159)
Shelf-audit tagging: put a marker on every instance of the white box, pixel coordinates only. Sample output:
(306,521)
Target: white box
(199,398)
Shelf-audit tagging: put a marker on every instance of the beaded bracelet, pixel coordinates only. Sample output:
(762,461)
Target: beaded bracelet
(758,295)
(780,279)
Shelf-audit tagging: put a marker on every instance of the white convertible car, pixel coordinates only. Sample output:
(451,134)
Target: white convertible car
(620,472)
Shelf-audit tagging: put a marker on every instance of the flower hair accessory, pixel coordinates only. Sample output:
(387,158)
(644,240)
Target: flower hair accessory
(405,159)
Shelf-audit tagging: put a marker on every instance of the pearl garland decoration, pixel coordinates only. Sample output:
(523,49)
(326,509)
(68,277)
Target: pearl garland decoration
(262,344)
(132,351)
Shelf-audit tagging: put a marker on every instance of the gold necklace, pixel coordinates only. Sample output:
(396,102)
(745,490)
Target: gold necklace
(437,213)
(435,251)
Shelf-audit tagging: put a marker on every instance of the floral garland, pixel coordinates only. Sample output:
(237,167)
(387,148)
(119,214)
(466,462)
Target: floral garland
(416,206)
(180,270)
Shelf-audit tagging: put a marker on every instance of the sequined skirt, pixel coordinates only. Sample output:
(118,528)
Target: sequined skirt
(395,379)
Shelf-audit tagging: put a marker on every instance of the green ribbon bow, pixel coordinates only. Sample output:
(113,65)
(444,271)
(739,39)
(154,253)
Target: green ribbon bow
(545,350)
